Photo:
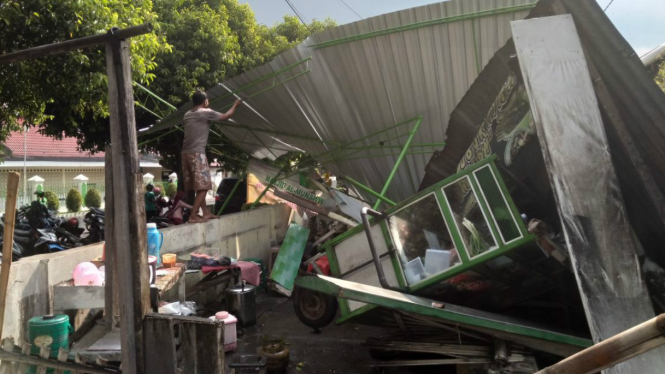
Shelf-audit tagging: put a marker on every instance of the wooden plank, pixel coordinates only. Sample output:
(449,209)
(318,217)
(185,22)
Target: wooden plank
(203,347)
(8,241)
(111,308)
(73,44)
(7,367)
(78,297)
(62,357)
(32,360)
(574,145)
(616,349)
(129,210)
(160,346)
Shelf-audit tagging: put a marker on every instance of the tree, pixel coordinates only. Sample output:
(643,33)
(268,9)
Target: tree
(67,92)
(73,200)
(213,41)
(660,77)
(196,44)
(52,201)
(93,199)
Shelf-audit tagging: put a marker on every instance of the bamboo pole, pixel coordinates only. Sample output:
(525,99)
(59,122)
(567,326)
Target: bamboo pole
(619,348)
(8,241)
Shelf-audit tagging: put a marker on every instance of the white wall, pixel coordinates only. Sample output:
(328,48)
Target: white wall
(239,235)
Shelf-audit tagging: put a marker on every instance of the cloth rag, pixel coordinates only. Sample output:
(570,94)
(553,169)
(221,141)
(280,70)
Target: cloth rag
(249,271)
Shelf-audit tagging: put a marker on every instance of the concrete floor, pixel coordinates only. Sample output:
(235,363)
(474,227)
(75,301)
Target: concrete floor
(335,350)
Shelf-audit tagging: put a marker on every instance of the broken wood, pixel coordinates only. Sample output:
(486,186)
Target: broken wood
(129,224)
(8,240)
(619,348)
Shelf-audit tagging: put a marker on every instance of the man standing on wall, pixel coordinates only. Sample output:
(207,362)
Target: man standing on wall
(195,166)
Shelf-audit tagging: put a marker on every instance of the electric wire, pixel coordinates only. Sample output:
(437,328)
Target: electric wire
(351,9)
(298,14)
(608,5)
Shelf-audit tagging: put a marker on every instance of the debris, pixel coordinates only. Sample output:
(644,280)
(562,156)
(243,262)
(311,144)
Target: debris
(300,365)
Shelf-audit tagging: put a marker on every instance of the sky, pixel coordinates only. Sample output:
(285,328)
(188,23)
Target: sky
(642,22)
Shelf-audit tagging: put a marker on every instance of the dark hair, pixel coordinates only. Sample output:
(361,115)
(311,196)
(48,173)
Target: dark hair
(199,97)
(149,187)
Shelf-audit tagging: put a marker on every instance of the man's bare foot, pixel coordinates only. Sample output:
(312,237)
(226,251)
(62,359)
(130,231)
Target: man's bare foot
(210,216)
(196,219)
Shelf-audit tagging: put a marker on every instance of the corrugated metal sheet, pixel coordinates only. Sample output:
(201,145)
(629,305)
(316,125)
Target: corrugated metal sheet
(364,86)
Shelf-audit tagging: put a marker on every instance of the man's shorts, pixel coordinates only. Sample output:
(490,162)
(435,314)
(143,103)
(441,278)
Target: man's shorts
(196,172)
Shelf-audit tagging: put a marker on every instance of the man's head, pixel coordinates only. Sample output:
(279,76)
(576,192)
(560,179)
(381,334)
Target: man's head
(149,187)
(199,98)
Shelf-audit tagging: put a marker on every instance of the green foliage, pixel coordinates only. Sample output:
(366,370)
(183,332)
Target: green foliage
(93,199)
(171,190)
(660,77)
(74,200)
(67,90)
(52,201)
(196,44)
(213,41)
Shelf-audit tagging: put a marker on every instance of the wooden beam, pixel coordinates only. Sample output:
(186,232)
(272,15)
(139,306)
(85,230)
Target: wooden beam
(129,230)
(111,310)
(619,348)
(571,133)
(8,241)
(160,347)
(70,45)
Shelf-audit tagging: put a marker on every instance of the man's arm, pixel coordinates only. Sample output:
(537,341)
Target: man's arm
(228,114)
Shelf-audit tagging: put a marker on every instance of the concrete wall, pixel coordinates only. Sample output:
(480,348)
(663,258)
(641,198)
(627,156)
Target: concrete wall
(239,235)
(30,283)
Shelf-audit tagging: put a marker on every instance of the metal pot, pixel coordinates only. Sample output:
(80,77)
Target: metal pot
(241,302)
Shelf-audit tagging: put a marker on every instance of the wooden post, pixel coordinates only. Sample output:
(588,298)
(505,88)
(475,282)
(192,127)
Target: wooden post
(129,228)
(8,241)
(111,286)
(574,144)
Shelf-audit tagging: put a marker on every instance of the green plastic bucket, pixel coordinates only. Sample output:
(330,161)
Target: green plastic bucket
(50,330)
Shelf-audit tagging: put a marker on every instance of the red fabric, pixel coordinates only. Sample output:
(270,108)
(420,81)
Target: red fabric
(39,145)
(323,264)
(249,271)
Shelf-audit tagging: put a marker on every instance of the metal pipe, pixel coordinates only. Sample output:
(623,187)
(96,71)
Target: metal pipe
(233,191)
(367,189)
(375,256)
(78,43)
(399,159)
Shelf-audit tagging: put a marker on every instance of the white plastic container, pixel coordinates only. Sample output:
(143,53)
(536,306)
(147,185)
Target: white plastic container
(414,270)
(230,336)
(436,261)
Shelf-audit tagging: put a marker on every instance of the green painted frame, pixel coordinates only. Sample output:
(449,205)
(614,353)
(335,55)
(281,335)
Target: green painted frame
(467,262)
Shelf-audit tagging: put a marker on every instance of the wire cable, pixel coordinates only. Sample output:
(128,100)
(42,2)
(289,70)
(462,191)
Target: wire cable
(351,9)
(608,5)
(298,14)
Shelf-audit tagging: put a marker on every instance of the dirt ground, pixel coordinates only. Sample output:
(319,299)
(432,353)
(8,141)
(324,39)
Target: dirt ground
(336,349)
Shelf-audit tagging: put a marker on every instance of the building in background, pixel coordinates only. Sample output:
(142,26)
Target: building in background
(58,162)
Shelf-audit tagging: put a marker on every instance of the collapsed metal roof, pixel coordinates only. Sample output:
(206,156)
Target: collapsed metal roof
(351,95)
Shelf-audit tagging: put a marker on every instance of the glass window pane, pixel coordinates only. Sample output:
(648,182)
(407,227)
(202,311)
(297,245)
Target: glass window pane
(422,240)
(502,215)
(469,217)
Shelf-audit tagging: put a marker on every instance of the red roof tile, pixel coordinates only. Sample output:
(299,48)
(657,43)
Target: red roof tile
(39,145)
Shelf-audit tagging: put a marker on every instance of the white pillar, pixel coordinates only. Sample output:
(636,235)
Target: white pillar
(82,184)
(148,178)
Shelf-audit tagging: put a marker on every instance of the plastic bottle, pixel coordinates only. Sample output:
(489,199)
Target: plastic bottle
(155,241)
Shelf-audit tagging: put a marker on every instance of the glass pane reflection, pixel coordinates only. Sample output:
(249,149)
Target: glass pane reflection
(422,240)
(469,217)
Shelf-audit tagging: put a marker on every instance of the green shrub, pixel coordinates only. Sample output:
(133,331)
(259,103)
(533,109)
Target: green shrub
(73,200)
(93,199)
(52,201)
(171,190)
